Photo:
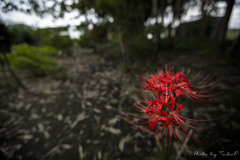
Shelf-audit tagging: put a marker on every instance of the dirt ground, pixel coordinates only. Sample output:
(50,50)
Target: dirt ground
(79,118)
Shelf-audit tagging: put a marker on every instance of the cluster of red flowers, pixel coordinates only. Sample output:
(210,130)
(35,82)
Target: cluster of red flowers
(161,112)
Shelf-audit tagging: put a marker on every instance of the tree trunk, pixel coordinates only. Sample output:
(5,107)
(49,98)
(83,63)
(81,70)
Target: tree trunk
(124,51)
(5,78)
(236,47)
(156,32)
(170,30)
(177,15)
(13,73)
(224,27)
(202,32)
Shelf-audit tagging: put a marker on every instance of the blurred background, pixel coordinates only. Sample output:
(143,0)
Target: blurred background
(69,67)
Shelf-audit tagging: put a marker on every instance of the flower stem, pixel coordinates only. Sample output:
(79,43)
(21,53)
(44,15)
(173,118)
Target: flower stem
(167,150)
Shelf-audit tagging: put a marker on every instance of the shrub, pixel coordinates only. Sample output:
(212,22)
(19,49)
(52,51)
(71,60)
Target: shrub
(35,60)
(140,47)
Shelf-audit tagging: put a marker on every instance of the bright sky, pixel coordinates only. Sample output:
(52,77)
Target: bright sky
(71,20)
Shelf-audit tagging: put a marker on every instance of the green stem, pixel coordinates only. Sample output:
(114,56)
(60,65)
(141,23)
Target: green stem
(167,150)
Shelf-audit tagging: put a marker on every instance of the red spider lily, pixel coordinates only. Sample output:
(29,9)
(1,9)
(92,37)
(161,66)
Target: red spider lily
(161,115)
(164,83)
(160,119)
(156,106)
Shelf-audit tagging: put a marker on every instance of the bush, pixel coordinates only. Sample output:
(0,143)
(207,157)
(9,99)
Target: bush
(187,45)
(140,48)
(52,37)
(20,33)
(35,60)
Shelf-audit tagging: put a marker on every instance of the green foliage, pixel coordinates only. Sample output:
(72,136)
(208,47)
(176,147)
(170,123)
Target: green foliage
(45,50)
(232,34)
(52,37)
(93,38)
(126,14)
(20,33)
(186,44)
(202,28)
(88,40)
(111,51)
(140,48)
(113,37)
(35,60)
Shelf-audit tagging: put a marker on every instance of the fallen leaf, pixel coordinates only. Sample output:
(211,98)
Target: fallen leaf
(66,146)
(123,141)
(113,121)
(80,117)
(97,110)
(80,150)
